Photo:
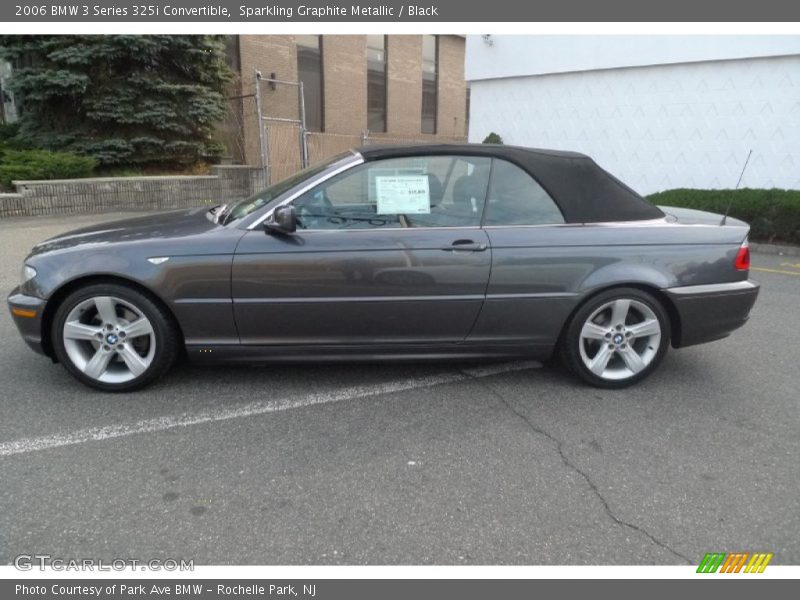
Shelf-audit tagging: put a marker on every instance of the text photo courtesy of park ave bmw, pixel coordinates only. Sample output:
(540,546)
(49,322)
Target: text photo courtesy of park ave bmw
(343,300)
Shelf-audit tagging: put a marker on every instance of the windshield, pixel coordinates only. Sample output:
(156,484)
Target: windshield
(242,208)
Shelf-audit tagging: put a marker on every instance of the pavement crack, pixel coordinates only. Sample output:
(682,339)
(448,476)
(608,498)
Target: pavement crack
(569,464)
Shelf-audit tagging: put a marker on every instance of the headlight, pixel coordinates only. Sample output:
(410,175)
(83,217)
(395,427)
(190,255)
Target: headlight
(28,273)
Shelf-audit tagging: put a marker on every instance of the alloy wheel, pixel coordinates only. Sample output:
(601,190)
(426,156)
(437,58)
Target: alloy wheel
(620,339)
(109,339)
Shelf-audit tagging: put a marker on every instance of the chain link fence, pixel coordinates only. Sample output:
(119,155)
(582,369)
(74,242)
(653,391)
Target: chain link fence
(262,130)
(322,146)
(370,138)
(238,131)
(285,156)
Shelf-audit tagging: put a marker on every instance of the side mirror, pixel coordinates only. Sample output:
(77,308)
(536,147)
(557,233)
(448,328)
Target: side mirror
(283,220)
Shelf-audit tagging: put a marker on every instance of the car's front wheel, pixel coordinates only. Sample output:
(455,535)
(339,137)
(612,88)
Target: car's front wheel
(113,337)
(616,338)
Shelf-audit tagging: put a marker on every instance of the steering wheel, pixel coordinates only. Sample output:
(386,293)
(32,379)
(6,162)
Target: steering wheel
(317,210)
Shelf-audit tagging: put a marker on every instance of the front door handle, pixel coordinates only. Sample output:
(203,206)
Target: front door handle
(466,246)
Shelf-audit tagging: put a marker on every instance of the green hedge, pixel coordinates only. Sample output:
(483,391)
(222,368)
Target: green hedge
(42,164)
(773,215)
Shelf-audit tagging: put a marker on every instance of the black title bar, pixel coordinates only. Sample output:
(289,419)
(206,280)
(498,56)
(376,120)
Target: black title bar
(465,11)
(733,587)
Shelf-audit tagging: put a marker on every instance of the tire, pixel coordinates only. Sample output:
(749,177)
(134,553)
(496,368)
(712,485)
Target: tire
(616,338)
(114,338)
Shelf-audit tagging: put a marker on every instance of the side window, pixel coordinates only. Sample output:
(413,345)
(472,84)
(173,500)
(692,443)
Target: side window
(516,198)
(419,191)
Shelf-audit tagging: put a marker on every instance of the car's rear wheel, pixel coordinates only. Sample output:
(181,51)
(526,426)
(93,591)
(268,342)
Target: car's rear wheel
(616,338)
(113,337)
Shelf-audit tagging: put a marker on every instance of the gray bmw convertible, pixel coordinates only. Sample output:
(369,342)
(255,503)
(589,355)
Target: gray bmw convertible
(394,253)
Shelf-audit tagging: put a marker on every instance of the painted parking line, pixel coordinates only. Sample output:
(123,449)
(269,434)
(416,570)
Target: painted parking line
(765,270)
(108,432)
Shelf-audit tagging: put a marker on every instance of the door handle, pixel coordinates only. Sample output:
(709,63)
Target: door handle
(466,246)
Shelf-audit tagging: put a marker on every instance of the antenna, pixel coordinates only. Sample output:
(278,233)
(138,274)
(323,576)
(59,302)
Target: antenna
(727,210)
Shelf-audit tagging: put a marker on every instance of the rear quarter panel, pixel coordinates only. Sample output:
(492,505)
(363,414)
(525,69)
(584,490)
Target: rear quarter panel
(540,274)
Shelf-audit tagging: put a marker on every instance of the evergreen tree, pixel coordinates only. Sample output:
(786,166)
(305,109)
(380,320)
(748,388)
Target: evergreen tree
(123,99)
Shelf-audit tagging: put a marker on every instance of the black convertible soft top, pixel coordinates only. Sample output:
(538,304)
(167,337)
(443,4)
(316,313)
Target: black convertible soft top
(583,190)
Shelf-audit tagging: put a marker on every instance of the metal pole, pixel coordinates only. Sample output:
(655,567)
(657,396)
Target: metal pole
(279,81)
(281,120)
(303,132)
(262,140)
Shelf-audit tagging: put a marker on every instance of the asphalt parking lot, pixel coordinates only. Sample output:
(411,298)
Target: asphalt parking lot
(414,464)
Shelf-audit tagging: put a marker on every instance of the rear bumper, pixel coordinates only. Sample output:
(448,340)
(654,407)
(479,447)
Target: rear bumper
(711,312)
(26,311)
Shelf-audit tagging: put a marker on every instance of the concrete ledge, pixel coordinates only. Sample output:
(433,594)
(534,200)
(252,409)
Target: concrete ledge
(103,194)
(118,180)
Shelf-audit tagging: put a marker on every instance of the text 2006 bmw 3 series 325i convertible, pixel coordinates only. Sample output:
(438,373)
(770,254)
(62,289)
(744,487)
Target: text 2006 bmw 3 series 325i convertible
(395,253)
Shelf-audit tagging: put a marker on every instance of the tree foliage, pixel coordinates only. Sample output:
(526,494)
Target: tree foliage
(493,138)
(122,99)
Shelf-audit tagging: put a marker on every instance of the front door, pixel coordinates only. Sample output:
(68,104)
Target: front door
(390,251)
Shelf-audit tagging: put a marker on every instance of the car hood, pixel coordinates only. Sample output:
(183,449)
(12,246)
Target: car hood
(163,226)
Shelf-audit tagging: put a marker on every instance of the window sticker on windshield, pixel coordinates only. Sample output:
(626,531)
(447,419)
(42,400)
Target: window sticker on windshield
(403,195)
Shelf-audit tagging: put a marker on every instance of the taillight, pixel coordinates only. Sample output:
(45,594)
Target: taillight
(742,262)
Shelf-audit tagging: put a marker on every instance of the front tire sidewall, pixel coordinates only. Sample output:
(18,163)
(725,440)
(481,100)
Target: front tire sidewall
(570,344)
(164,336)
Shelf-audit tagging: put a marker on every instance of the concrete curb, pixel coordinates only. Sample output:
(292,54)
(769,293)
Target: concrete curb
(775,249)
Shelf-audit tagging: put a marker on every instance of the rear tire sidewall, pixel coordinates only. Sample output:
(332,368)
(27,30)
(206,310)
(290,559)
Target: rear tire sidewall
(570,343)
(163,329)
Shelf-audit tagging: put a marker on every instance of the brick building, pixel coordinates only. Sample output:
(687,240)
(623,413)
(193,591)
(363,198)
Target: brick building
(357,88)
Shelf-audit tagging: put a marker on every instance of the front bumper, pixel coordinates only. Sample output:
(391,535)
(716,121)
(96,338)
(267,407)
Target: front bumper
(711,312)
(27,311)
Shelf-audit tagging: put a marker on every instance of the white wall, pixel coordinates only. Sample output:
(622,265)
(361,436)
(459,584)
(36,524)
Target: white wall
(657,127)
(522,55)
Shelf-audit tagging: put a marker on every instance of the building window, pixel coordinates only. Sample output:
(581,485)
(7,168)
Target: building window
(430,82)
(376,83)
(309,71)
